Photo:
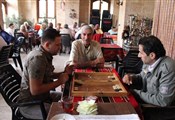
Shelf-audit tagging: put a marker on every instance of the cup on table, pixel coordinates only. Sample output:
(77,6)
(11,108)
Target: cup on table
(67,103)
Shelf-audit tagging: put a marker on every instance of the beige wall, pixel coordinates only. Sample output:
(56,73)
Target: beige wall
(28,9)
(114,10)
(63,15)
(142,8)
(121,22)
(12,7)
(1,20)
(84,11)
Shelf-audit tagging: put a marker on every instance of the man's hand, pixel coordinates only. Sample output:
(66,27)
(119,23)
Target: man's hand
(69,69)
(127,79)
(63,78)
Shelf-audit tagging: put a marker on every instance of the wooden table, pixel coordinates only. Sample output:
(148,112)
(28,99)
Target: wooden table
(103,109)
(105,99)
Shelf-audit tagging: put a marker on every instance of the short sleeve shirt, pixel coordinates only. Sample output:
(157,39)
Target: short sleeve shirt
(81,54)
(38,66)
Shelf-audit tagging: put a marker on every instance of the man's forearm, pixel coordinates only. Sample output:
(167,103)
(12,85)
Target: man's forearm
(55,75)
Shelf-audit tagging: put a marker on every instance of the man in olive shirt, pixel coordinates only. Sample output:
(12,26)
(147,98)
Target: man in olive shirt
(37,80)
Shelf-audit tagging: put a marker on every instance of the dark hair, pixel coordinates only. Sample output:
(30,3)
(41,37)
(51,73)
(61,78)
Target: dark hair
(50,35)
(152,44)
(10,24)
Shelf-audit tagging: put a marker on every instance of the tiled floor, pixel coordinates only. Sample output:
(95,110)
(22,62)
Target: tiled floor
(58,61)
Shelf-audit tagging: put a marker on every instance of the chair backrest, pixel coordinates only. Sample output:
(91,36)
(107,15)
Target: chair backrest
(97,37)
(111,55)
(66,40)
(105,40)
(131,58)
(10,82)
(18,45)
(4,54)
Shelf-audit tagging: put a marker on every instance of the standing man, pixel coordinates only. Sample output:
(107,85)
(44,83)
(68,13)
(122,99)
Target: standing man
(37,80)
(85,52)
(157,78)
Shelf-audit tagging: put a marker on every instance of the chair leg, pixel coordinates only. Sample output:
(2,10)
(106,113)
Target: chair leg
(14,60)
(20,62)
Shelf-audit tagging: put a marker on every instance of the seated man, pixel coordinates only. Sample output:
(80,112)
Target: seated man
(85,52)
(157,78)
(7,37)
(37,80)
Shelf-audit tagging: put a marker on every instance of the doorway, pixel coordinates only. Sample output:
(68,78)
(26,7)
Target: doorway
(101,12)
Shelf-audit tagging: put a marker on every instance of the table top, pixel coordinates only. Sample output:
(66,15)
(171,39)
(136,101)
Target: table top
(110,46)
(103,109)
(113,99)
(97,84)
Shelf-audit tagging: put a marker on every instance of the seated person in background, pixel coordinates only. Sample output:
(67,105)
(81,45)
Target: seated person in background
(85,52)
(24,31)
(75,27)
(113,31)
(27,27)
(58,27)
(78,33)
(50,26)
(37,80)
(97,29)
(2,42)
(92,26)
(37,27)
(7,37)
(42,29)
(125,33)
(11,29)
(66,30)
(157,78)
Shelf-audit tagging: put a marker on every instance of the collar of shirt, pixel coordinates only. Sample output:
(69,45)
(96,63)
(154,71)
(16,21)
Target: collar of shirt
(48,55)
(151,67)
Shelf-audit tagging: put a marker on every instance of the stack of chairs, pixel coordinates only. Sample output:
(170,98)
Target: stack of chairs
(10,82)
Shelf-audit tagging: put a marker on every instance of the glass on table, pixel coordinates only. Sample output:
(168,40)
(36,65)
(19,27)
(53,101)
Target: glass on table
(67,103)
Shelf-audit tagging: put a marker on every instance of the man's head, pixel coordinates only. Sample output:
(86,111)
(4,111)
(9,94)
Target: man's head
(51,41)
(86,34)
(96,27)
(11,25)
(150,49)
(66,26)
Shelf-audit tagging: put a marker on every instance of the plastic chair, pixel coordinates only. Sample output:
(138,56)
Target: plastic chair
(27,43)
(105,40)
(10,82)
(66,43)
(4,54)
(16,52)
(131,63)
(111,57)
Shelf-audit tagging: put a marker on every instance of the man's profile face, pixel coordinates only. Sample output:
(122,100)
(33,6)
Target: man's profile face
(86,36)
(55,46)
(144,57)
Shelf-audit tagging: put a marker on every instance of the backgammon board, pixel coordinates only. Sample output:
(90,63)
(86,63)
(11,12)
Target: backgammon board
(97,84)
